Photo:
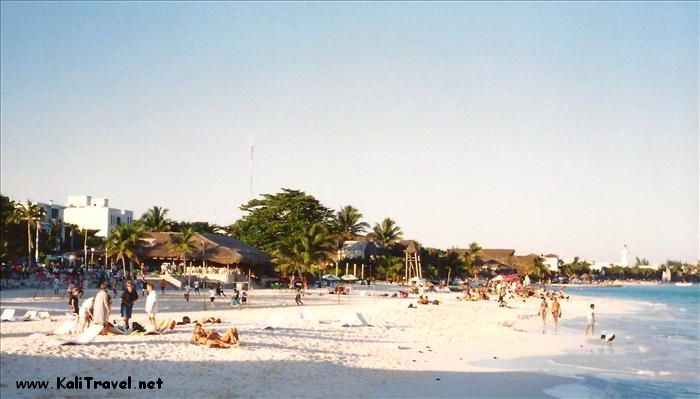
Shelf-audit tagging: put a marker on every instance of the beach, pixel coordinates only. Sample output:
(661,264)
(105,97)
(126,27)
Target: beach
(430,351)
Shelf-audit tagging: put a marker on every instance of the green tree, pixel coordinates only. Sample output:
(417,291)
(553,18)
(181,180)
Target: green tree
(275,222)
(30,213)
(470,258)
(538,269)
(349,224)
(184,243)
(155,219)
(390,266)
(386,233)
(310,253)
(124,242)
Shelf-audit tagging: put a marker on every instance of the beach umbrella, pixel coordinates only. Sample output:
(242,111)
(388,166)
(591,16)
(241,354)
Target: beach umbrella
(330,277)
(498,278)
(348,277)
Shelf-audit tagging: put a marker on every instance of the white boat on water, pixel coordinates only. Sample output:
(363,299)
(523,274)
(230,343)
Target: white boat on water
(683,284)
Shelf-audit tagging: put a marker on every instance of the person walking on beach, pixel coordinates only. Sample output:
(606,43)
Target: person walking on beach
(556,312)
(128,298)
(162,286)
(543,312)
(151,304)
(101,308)
(212,294)
(590,320)
(196,287)
(297,299)
(187,292)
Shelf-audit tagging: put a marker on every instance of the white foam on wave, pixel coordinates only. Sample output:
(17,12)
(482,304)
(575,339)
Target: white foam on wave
(682,309)
(643,349)
(574,390)
(629,337)
(647,373)
(664,373)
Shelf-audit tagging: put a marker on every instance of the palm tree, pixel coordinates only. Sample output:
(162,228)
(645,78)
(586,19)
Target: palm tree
(29,212)
(155,219)
(470,258)
(389,266)
(387,232)
(349,224)
(309,254)
(538,268)
(123,243)
(184,243)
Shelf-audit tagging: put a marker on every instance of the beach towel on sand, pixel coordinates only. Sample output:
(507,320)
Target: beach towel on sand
(85,338)
(354,320)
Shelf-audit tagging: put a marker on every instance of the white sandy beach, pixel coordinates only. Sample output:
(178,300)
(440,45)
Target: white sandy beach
(423,352)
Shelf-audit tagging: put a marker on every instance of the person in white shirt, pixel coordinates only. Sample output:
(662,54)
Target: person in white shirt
(590,320)
(188,289)
(85,313)
(212,295)
(151,304)
(196,287)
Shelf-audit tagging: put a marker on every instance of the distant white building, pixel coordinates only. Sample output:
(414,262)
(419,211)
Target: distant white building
(551,261)
(53,213)
(95,214)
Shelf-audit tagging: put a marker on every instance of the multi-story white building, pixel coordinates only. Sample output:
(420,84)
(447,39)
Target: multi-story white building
(95,214)
(53,213)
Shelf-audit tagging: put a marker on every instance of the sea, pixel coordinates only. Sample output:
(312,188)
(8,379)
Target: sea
(655,354)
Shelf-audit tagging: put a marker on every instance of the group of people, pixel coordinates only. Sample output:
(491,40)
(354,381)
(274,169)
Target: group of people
(96,310)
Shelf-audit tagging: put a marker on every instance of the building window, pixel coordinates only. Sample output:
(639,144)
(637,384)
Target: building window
(54,213)
(119,220)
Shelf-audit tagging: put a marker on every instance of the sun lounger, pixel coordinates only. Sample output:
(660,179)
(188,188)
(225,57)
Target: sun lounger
(354,320)
(85,338)
(7,315)
(30,315)
(43,315)
(272,323)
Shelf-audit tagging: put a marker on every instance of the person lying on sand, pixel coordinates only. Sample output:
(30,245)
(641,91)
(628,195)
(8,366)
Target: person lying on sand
(423,300)
(212,339)
(209,320)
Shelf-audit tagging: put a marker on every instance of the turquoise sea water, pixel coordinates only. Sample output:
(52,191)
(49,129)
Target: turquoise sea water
(656,353)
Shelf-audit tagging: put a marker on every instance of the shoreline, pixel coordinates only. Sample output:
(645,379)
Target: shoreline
(404,354)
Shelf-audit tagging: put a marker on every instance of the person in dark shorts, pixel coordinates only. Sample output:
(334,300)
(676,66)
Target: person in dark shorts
(128,298)
(297,299)
(73,301)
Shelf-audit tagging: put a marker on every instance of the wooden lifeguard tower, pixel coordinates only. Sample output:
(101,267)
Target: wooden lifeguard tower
(413,268)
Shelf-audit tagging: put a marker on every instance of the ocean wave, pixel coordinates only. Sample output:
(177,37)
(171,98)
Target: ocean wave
(647,373)
(643,349)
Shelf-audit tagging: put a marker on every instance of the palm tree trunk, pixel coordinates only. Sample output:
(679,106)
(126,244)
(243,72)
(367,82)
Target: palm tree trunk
(189,271)
(124,266)
(29,243)
(36,259)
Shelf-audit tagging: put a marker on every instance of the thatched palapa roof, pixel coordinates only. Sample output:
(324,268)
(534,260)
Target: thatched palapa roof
(212,247)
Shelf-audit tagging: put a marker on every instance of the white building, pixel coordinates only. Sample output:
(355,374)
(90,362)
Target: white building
(95,214)
(551,261)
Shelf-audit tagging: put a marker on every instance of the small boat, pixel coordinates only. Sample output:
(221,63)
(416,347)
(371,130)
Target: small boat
(683,284)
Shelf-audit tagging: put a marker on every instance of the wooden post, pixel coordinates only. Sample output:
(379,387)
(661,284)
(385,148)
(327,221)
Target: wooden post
(354,269)
(363,271)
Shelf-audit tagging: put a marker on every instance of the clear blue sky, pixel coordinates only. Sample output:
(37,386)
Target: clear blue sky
(547,127)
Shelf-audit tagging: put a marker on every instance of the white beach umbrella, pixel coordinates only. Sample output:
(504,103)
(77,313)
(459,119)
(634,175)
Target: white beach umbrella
(330,277)
(348,277)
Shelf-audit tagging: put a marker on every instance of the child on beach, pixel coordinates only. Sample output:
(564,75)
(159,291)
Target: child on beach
(297,299)
(151,304)
(590,320)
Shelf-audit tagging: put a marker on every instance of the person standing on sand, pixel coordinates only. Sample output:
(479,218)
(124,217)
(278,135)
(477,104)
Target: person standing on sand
(196,287)
(297,299)
(590,320)
(128,298)
(187,292)
(543,312)
(73,301)
(556,313)
(100,313)
(151,304)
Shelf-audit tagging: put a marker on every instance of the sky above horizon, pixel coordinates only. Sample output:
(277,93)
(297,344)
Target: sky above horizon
(545,127)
